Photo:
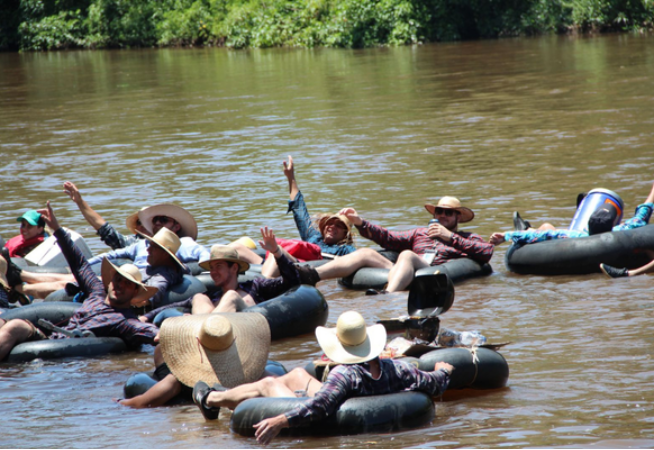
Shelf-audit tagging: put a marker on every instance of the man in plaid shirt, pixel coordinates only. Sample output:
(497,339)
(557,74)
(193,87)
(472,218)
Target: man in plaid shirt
(107,309)
(421,247)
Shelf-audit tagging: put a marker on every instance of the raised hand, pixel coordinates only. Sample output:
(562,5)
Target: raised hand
(496,238)
(269,243)
(288,169)
(49,216)
(72,191)
(352,215)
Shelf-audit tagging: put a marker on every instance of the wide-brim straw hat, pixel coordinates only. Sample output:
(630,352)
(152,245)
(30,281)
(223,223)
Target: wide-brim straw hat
(465,214)
(131,220)
(322,223)
(224,253)
(351,342)
(3,272)
(168,241)
(131,273)
(226,348)
(182,216)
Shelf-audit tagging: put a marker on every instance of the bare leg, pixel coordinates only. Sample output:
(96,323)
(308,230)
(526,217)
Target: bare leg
(647,268)
(202,304)
(402,273)
(12,333)
(650,197)
(41,290)
(232,302)
(34,277)
(157,395)
(348,264)
(284,386)
(270,269)
(246,254)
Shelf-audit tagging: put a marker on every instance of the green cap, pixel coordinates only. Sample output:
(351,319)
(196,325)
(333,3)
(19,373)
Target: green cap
(31,216)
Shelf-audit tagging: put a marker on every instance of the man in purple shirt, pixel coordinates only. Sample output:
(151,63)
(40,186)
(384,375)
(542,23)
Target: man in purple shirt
(107,309)
(360,372)
(420,247)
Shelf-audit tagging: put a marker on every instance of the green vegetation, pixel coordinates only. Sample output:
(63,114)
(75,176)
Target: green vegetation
(61,24)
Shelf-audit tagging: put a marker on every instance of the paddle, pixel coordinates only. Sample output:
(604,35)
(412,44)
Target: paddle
(430,295)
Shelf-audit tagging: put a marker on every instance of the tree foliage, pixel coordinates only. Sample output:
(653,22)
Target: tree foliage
(61,24)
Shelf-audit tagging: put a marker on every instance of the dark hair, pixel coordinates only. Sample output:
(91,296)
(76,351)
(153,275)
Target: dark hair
(40,222)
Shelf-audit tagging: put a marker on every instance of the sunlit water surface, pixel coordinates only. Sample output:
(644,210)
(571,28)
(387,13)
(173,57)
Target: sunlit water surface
(521,124)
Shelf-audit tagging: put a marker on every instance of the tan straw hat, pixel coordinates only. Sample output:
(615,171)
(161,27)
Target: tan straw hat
(168,241)
(224,253)
(131,273)
(3,273)
(182,216)
(131,221)
(465,214)
(351,341)
(322,223)
(226,348)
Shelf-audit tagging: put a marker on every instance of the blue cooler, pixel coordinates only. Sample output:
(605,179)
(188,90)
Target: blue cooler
(592,202)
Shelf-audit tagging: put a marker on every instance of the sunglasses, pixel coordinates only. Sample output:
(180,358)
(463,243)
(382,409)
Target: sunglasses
(161,219)
(445,212)
(138,223)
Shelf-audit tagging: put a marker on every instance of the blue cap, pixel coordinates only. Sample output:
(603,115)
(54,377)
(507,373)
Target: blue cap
(32,217)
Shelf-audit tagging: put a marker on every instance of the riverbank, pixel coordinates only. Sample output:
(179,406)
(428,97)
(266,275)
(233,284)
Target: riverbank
(33,25)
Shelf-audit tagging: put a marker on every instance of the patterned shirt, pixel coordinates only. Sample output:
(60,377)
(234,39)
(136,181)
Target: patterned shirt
(463,244)
(189,251)
(111,237)
(308,233)
(355,380)
(520,238)
(260,289)
(94,314)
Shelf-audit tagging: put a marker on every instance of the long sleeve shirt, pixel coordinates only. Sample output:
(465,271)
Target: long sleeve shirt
(189,251)
(307,231)
(519,238)
(260,289)
(94,314)
(111,237)
(462,245)
(355,380)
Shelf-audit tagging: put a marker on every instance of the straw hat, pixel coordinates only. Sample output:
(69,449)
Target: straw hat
(131,221)
(182,216)
(465,214)
(351,342)
(168,241)
(3,273)
(131,273)
(226,348)
(224,253)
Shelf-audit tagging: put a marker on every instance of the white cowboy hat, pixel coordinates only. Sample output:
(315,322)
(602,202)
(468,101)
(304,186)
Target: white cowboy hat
(224,253)
(226,348)
(131,221)
(168,241)
(131,273)
(465,214)
(351,342)
(182,216)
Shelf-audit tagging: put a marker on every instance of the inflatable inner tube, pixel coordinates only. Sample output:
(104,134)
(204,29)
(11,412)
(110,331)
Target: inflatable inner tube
(373,414)
(61,348)
(579,256)
(188,287)
(479,368)
(57,313)
(298,311)
(457,270)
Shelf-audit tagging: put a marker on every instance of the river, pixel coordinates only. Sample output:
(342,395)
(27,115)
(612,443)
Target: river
(517,124)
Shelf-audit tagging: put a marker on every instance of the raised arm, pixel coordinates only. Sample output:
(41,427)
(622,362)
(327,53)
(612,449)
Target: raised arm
(289,172)
(92,217)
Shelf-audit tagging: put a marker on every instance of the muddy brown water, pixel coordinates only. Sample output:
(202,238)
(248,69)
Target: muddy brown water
(520,124)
